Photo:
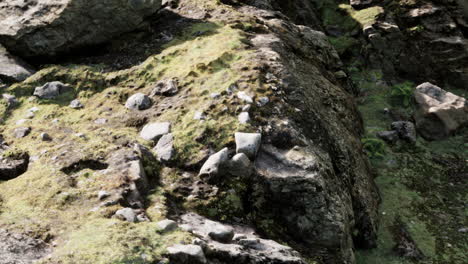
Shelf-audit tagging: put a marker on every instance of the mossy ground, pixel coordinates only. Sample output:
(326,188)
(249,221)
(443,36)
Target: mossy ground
(49,204)
(423,184)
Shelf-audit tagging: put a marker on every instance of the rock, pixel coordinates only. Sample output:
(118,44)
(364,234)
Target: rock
(39,27)
(155,131)
(405,245)
(240,165)
(165,148)
(51,90)
(186,254)
(126,214)
(103,195)
(100,121)
(17,248)
(215,95)
(45,137)
(245,97)
(248,143)
(165,87)
(199,115)
(213,166)
(221,233)
(167,225)
(246,248)
(138,101)
(405,130)
(388,136)
(12,69)
(76,104)
(360,4)
(12,167)
(10,99)
(21,132)
(246,108)
(244,117)
(439,113)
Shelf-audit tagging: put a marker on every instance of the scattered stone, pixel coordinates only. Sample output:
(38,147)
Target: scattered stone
(221,233)
(30,115)
(100,121)
(10,99)
(12,69)
(76,104)
(215,95)
(360,4)
(21,121)
(245,97)
(165,148)
(51,90)
(21,132)
(390,137)
(126,214)
(405,130)
(244,117)
(167,225)
(439,113)
(246,108)
(103,195)
(45,137)
(214,163)
(262,101)
(138,101)
(33,109)
(248,143)
(199,116)
(186,254)
(155,131)
(165,87)
(240,165)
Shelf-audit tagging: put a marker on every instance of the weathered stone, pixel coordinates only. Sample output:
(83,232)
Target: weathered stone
(199,115)
(138,101)
(43,27)
(103,195)
(165,87)
(248,143)
(155,131)
(262,101)
(166,225)
(100,121)
(17,248)
(245,97)
(439,113)
(214,164)
(10,99)
(45,137)
(76,104)
(51,90)
(126,214)
(186,254)
(12,167)
(389,136)
(13,69)
(244,117)
(360,4)
(405,130)
(21,132)
(165,148)
(221,233)
(240,165)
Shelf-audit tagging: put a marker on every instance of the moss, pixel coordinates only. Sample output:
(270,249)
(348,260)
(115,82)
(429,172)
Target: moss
(365,16)
(344,44)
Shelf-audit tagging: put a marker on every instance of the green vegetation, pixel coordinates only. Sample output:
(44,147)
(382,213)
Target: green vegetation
(404,92)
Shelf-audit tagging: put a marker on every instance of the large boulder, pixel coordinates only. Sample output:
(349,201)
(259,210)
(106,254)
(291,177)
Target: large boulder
(439,113)
(12,69)
(44,27)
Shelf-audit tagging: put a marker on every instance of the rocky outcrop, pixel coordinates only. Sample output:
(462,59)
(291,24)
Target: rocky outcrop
(12,69)
(42,27)
(21,249)
(439,113)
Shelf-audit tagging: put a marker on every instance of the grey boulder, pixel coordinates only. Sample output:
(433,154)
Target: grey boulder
(126,214)
(12,69)
(213,166)
(138,101)
(165,87)
(167,225)
(76,104)
(51,90)
(165,148)
(405,130)
(240,165)
(248,143)
(155,131)
(21,132)
(439,113)
(186,254)
(43,27)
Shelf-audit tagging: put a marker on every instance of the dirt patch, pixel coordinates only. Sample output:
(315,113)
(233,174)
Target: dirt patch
(20,249)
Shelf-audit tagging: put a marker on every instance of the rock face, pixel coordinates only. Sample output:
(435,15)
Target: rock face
(43,27)
(439,113)
(21,249)
(13,69)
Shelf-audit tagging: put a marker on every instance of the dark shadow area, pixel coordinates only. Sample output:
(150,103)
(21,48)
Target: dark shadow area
(84,164)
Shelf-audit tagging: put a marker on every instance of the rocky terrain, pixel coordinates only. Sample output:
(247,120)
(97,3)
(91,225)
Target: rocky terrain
(233,131)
